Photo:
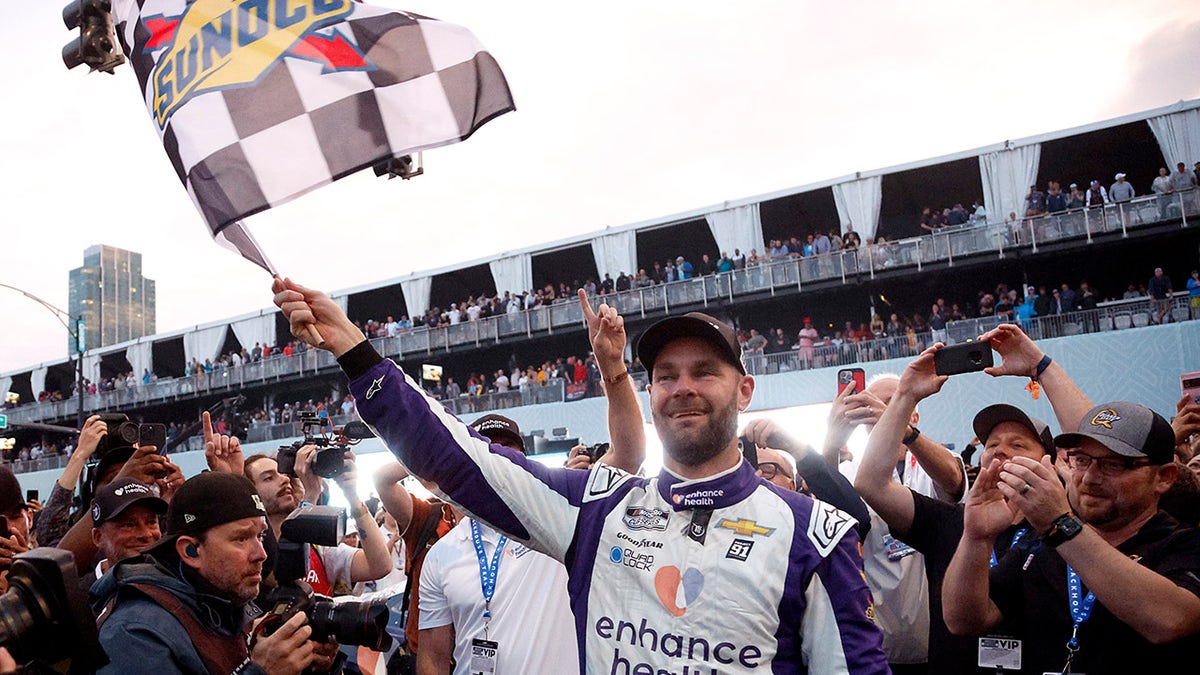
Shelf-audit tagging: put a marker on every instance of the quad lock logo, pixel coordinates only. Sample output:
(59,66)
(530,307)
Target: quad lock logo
(218,44)
(630,558)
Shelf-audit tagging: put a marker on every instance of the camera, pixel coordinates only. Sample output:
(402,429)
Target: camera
(595,452)
(348,623)
(329,462)
(45,622)
(123,433)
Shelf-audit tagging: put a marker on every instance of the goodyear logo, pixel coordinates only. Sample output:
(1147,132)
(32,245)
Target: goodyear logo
(1105,418)
(222,44)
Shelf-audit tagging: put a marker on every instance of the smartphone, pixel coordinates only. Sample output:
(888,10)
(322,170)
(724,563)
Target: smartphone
(847,375)
(749,450)
(1190,383)
(31,495)
(968,357)
(153,434)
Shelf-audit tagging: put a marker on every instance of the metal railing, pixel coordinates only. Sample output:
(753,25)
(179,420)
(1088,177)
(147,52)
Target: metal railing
(945,245)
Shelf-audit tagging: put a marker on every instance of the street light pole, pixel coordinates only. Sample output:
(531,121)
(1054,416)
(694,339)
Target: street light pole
(77,334)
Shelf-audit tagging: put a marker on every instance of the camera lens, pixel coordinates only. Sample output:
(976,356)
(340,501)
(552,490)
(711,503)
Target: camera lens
(352,623)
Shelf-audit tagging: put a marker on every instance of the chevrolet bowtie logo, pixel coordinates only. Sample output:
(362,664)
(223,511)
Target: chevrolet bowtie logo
(746,528)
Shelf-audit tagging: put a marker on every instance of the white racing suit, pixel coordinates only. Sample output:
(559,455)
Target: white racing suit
(727,574)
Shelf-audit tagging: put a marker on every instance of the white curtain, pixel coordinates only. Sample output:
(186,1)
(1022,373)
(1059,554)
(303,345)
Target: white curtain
(513,273)
(736,228)
(91,368)
(342,301)
(615,253)
(1006,176)
(5,387)
(141,357)
(204,344)
(858,204)
(1178,136)
(37,380)
(256,330)
(416,295)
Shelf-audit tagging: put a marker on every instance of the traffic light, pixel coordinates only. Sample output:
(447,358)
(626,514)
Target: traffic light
(97,42)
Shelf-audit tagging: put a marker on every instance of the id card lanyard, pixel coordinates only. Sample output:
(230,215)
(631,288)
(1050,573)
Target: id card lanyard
(1081,610)
(487,573)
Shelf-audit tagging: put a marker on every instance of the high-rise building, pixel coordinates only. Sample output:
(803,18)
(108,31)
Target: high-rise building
(114,300)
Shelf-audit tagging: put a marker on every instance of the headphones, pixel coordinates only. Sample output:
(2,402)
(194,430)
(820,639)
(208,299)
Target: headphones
(190,551)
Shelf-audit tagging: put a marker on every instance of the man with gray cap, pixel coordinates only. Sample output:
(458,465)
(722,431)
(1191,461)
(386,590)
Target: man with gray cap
(932,526)
(767,579)
(184,606)
(1112,585)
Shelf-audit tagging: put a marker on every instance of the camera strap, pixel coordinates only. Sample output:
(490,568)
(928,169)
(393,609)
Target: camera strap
(221,654)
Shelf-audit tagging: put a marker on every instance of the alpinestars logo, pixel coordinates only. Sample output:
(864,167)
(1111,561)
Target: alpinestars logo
(376,385)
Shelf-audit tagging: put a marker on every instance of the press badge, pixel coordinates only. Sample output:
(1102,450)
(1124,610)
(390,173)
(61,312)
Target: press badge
(999,653)
(896,549)
(483,657)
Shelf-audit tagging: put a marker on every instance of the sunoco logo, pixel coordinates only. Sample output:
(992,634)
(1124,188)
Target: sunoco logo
(218,44)
(646,518)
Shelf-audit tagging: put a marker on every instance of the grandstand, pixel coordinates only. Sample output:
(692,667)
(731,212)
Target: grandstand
(1111,246)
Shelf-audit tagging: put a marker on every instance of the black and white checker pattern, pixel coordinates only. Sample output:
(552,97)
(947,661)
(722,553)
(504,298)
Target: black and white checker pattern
(243,150)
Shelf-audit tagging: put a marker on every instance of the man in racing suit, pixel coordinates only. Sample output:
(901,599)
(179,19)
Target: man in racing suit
(700,570)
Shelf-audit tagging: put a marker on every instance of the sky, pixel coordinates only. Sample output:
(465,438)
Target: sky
(626,111)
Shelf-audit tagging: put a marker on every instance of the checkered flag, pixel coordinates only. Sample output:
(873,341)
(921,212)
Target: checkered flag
(259,102)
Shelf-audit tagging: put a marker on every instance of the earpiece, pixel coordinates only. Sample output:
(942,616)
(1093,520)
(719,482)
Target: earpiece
(191,552)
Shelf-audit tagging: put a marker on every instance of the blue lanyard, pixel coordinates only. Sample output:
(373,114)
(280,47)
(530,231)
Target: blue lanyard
(1081,607)
(1016,537)
(487,573)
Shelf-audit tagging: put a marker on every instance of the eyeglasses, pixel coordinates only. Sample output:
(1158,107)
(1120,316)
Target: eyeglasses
(1109,466)
(770,469)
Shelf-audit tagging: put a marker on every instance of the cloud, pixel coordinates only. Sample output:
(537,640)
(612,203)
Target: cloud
(1162,70)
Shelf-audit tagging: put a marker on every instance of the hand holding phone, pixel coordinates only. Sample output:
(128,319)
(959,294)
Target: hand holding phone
(845,376)
(1190,383)
(968,357)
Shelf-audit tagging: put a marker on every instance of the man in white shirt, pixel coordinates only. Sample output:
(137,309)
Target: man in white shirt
(490,604)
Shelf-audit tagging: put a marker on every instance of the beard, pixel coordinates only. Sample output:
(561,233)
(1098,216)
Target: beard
(693,447)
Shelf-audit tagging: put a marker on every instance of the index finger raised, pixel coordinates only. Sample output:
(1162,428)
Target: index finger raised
(206,420)
(586,306)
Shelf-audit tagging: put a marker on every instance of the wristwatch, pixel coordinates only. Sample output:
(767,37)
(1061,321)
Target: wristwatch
(1065,528)
(912,435)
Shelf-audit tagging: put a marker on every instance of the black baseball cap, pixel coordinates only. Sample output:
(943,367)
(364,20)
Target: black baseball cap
(1128,429)
(496,427)
(693,324)
(112,500)
(205,501)
(992,416)
(111,458)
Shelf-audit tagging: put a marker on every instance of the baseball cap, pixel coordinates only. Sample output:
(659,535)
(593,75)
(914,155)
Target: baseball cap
(496,427)
(693,324)
(205,501)
(992,416)
(11,498)
(112,500)
(111,458)
(1119,176)
(1128,429)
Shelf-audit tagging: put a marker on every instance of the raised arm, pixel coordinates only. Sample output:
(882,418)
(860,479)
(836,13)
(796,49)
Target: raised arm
(891,500)
(395,498)
(966,603)
(1021,357)
(626,430)
(372,560)
(518,496)
(825,482)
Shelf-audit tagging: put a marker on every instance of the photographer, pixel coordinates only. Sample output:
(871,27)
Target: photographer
(15,510)
(55,519)
(333,569)
(181,607)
